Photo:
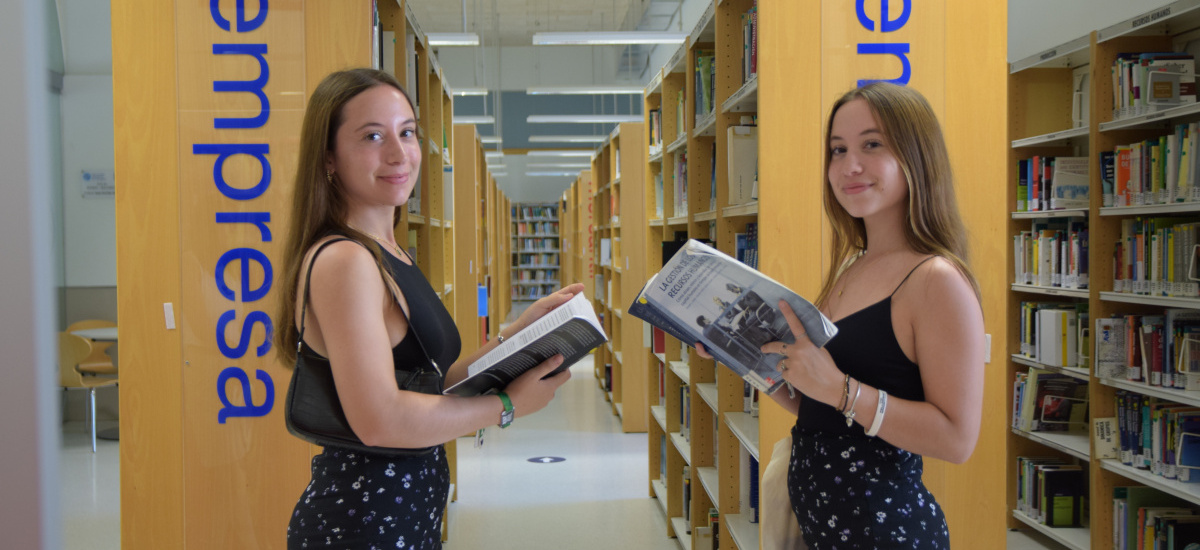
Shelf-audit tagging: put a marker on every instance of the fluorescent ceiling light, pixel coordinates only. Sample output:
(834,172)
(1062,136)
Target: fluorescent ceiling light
(470,91)
(540,166)
(498,174)
(574,153)
(583,90)
(452,38)
(491,139)
(567,139)
(582,119)
(552,174)
(606,38)
(474,120)
(494,166)
(493,154)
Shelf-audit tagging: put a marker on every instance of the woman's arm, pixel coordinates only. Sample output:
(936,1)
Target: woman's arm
(949,336)
(353,307)
(458,371)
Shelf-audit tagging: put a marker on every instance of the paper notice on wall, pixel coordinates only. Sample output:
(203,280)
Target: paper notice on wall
(98,184)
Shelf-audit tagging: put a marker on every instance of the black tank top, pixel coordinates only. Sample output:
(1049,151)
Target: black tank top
(866,348)
(427,318)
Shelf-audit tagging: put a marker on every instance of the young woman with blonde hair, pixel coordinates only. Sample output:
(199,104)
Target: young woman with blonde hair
(903,378)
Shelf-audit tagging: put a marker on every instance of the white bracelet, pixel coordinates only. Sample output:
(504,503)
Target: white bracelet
(879,410)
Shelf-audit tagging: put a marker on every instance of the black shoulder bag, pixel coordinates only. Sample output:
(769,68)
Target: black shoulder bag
(312,409)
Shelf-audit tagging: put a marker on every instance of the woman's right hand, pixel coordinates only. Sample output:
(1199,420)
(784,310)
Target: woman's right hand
(529,393)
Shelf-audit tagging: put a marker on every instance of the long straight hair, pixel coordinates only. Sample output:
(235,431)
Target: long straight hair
(319,206)
(932,223)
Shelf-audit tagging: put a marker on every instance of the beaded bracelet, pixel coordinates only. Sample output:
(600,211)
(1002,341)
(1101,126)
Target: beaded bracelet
(849,412)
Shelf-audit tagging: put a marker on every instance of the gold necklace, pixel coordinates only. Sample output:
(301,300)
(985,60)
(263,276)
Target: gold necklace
(378,239)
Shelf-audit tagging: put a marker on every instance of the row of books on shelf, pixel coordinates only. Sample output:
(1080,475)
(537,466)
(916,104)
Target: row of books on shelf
(605,252)
(528,293)
(1160,170)
(1045,401)
(1148,82)
(1056,334)
(741,147)
(750,42)
(537,275)
(706,78)
(535,244)
(1052,491)
(536,228)
(1157,350)
(537,260)
(656,137)
(1157,257)
(680,113)
(1052,183)
(1156,435)
(1144,517)
(680,183)
(1053,253)
(746,245)
(528,212)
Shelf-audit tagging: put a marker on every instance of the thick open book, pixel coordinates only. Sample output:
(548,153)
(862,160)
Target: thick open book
(572,329)
(703,295)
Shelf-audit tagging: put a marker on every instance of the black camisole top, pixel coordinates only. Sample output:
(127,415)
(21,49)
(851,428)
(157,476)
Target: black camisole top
(866,348)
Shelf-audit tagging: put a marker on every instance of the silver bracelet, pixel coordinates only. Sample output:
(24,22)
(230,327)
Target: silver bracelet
(879,410)
(849,413)
(499,338)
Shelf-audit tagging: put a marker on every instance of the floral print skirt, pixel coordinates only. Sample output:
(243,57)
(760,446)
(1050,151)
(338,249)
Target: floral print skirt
(858,492)
(372,502)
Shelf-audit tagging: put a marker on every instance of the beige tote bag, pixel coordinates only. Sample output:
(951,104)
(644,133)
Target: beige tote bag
(780,531)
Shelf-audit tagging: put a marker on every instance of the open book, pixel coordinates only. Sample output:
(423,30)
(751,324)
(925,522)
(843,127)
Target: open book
(572,329)
(703,295)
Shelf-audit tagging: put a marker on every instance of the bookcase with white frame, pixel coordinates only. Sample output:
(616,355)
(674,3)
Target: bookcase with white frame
(1139,137)
(536,250)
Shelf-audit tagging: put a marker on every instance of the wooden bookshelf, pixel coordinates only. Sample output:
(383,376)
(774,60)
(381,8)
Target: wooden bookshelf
(1040,104)
(618,169)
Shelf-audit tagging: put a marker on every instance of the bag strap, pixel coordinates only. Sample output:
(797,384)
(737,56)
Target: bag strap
(304,305)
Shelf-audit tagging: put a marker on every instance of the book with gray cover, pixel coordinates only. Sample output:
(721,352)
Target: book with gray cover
(704,295)
(571,329)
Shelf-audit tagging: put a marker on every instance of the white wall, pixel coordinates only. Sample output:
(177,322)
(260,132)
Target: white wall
(1036,25)
(29,501)
(89,225)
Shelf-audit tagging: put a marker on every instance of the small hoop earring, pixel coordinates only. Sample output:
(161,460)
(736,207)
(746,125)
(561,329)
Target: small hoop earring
(329,176)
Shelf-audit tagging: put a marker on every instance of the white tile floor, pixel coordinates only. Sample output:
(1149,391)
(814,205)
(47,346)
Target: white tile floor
(596,499)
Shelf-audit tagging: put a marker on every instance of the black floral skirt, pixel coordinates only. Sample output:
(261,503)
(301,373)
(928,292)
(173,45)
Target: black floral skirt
(856,492)
(371,502)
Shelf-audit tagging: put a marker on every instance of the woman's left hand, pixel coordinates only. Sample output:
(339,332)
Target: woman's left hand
(545,305)
(805,366)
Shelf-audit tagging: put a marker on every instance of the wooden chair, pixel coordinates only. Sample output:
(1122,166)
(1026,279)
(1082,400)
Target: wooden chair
(98,361)
(71,350)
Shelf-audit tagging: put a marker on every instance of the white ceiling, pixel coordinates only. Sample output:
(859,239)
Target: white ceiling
(514,22)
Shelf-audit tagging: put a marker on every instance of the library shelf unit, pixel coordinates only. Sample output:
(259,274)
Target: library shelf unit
(617,169)
(1041,89)
(1041,124)
(537,249)
(578,230)
(701,436)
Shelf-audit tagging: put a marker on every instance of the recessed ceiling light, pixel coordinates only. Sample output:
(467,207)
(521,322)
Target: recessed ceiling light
(582,119)
(583,90)
(452,38)
(607,38)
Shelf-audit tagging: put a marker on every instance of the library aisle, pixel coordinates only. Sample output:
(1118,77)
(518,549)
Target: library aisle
(595,499)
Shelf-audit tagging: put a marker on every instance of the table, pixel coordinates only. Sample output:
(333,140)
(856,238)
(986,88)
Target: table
(102,334)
